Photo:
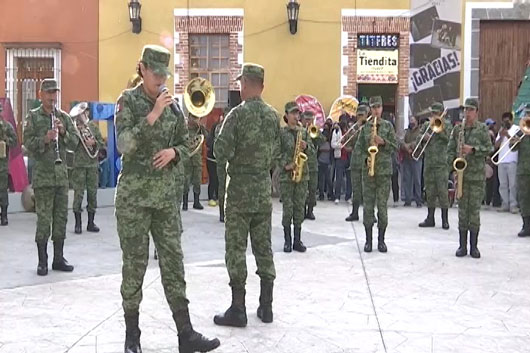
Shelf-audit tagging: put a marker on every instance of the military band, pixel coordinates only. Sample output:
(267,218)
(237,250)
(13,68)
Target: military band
(8,139)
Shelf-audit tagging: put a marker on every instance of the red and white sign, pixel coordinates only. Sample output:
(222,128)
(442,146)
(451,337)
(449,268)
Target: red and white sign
(310,103)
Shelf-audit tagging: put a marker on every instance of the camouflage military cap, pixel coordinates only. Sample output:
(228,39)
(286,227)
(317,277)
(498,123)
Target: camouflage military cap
(363,110)
(436,107)
(156,58)
(291,107)
(471,103)
(252,70)
(375,101)
(308,115)
(49,84)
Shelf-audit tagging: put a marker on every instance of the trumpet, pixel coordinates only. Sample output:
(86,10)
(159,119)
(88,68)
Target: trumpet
(436,126)
(313,131)
(53,117)
(352,131)
(373,150)
(522,132)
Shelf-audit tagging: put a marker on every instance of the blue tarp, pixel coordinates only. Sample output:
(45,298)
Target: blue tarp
(105,111)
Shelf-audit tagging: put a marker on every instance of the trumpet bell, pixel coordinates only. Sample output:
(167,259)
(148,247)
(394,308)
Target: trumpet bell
(199,97)
(313,131)
(437,126)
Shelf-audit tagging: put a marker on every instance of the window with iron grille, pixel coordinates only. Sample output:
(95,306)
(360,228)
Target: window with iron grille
(210,59)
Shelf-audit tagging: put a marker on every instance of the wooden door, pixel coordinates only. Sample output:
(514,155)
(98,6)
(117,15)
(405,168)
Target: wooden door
(504,53)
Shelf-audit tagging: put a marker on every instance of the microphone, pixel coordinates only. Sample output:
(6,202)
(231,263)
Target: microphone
(174,106)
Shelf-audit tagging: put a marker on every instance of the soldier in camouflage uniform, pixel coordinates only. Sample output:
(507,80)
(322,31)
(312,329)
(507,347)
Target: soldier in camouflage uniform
(523,178)
(193,166)
(476,147)
(248,142)
(9,139)
(434,169)
(376,188)
(356,168)
(153,140)
(221,177)
(85,175)
(293,194)
(50,178)
(308,119)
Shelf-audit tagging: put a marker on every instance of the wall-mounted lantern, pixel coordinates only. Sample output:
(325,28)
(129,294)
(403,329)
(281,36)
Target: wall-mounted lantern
(134,15)
(293,8)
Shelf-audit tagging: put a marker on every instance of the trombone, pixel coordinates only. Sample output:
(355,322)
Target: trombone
(436,125)
(524,130)
(352,131)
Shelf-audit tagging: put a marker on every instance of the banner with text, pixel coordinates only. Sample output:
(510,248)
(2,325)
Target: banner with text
(377,66)
(436,43)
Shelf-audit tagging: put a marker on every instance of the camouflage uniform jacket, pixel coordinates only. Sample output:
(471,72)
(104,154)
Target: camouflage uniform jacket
(478,137)
(523,162)
(82,159)
(435,155)
(7,134)
(139,182)
(248,142)
(312,156)
(45,171)
(196,159)
(383,159)
(288,138)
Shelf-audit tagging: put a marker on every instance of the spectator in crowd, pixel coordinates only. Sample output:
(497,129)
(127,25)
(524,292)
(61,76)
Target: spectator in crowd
(508,165)
(410,168)
(324,163)
(492,196)
(211,165)
(340,156)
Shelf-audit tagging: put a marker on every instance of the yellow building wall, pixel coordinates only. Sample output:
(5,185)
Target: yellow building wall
(307,62)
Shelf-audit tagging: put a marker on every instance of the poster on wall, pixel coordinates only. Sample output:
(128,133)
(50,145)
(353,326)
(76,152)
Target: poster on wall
(435,52)
(377,66)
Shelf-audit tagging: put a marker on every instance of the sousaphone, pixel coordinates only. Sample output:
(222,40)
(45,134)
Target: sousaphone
(199,99)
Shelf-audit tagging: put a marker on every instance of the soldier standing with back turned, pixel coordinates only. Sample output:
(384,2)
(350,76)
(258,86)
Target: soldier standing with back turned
(8,139)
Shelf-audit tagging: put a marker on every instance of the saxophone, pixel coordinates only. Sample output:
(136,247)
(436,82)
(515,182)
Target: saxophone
(299,159)
(460,163)
(373,149)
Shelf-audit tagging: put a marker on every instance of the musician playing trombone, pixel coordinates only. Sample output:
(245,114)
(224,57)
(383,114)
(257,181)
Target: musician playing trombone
(470,141)
(507,166)
(434,169)
(523,173)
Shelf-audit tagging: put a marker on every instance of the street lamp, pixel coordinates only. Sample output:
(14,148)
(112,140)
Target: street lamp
(293,8)
(134,15)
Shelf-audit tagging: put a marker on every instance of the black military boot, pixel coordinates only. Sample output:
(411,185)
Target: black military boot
(429,221)
(42,249)
(297,243)
(445,219)
(288,244)
(381,246)
(190,340)
(91,226)
(265,302)
(59,262)
(368,244)
(236,315)
(309,215)
(525,231)
(185,201)
(354,215)
(132,334)
(221,213)
(473,241)
(196,204)
(3,216)
(462,250)
(77,227)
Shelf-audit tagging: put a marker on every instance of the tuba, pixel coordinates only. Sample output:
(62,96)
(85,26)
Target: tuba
(373,149)
(299,159)
(79,114)
(199,99)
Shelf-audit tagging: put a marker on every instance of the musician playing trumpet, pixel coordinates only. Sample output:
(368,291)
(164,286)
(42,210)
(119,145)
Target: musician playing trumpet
(85,174)
(471,142)
(434,170)
(377,135)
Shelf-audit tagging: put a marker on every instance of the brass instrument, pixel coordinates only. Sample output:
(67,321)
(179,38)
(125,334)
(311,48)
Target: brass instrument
(352,132)
(313,131)
(460,163)
(53,117)
(79,114)
(373,149)
(199,98)
(522,132)
(299,159)
(436,126)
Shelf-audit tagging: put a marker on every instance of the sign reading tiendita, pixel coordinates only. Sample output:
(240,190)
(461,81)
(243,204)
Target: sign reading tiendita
(377,66)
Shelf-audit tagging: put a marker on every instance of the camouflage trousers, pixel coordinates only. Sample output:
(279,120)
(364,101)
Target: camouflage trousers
(436,189)
(375,192)
(193,177)
(238,227)
(4,199)
(469,205)
(357,185)
(221,177)
(85,179)
(524,194)
(134,224)
(293,200)
(51,205)
(312,188)
(179,186)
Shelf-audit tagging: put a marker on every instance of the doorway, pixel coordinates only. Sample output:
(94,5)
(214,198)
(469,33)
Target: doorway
(386,91)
